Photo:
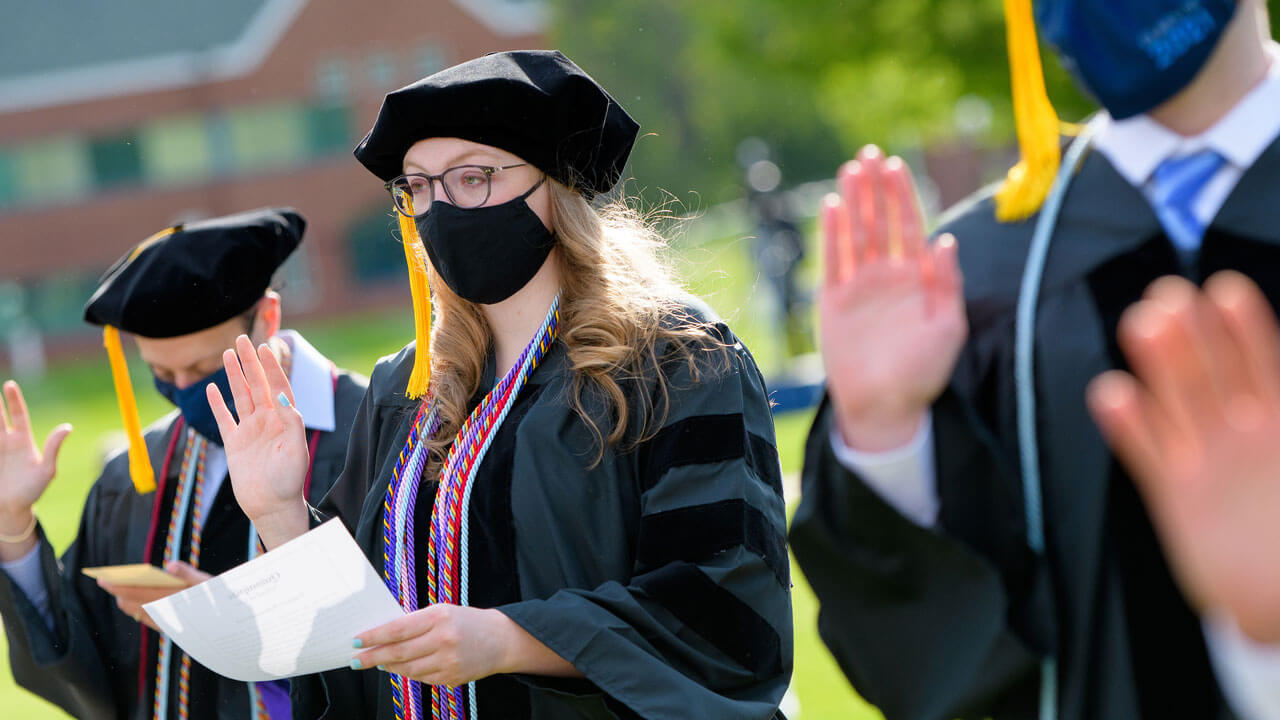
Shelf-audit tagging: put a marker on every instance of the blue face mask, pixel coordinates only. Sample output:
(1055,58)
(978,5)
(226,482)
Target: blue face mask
(1133,55)
(194,403)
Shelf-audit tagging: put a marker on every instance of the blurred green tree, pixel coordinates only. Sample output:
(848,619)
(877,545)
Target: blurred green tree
(815,79)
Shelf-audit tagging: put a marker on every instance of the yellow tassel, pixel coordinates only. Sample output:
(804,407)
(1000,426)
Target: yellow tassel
(144,477)
(415,256)
(1028,182)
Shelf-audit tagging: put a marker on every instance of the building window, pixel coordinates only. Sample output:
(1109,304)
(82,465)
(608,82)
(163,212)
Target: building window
(294,281)
(381,71)
(267,136)
(374,252)
(54,170)
(217,128)
(8,178)
(329,130)
(56,302)
(116,161)
(430,59)
(176,149)
(332,82)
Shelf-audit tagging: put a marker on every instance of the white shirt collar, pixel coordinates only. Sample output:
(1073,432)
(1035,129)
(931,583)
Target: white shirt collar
(1136,146)
(312,379)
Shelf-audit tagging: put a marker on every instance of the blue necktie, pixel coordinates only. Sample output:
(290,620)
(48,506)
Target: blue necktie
(1178,182)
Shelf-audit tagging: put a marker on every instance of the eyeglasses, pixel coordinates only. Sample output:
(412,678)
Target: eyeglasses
(466,186)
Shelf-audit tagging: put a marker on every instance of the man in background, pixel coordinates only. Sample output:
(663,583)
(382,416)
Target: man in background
(185,294)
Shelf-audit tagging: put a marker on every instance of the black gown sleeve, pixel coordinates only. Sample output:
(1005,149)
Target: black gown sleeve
(702,628)
(66,664)
(915,617)
(946,621)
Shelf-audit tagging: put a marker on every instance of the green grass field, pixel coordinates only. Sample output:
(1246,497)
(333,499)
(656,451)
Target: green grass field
(79,391)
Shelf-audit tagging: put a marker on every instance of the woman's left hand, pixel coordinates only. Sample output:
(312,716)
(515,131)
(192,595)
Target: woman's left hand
(439,645)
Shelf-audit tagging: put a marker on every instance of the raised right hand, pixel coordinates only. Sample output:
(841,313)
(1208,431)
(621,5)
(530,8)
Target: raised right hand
(891,306)
(25,471)
(267,454)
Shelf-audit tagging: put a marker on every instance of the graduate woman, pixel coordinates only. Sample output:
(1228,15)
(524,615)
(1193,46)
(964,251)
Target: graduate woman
(576,494)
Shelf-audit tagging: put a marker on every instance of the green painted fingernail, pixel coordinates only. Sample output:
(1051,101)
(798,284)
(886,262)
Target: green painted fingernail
(356,643)
(355,664)
(283,400)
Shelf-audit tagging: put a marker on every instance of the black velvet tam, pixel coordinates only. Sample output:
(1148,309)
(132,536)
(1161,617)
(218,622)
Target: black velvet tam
(200,275)
(536,104)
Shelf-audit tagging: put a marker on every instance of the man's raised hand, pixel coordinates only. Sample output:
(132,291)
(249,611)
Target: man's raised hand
(891,304)
(267,454)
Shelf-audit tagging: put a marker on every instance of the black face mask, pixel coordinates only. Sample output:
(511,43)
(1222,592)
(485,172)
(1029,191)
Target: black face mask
(486,254)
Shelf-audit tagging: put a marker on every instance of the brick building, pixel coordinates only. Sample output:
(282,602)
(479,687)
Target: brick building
(117,118)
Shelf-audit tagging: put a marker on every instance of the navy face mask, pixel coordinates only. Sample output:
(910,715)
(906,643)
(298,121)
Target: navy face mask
(1136,54)
(486,254)
(194,403)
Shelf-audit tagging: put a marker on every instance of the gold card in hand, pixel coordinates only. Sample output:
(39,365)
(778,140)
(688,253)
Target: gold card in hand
(139,575)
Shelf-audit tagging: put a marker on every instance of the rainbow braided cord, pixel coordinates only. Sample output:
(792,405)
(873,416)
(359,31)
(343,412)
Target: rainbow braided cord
(446,542)
(197,532)
(391,573)
(190,482)
(448,515)
(397,547)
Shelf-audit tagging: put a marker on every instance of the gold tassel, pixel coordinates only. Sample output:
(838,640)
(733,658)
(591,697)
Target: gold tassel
(144,477)
(1027,184)
(415,256)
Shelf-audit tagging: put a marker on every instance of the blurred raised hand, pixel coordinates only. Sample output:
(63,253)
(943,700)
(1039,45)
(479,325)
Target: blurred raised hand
(25,470)
(267,453)
(891,304)
(1198,426)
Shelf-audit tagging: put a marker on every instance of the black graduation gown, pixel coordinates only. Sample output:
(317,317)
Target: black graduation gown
(661,572)
(951,620)
(88,665)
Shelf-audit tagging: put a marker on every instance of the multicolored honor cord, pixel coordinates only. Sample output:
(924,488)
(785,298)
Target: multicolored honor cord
(447,541)
(397,541)
(188,501)
(190,484)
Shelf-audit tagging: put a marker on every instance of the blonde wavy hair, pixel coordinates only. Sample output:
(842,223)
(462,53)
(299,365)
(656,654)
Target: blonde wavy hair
(622,321)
